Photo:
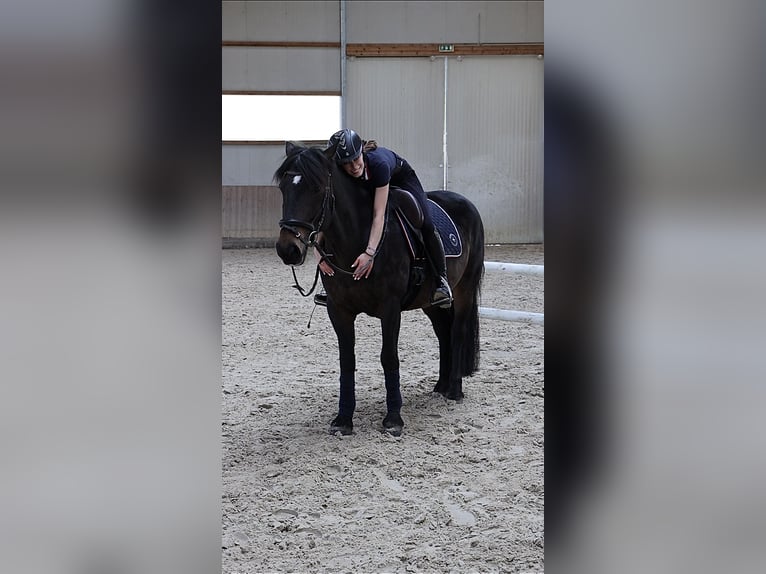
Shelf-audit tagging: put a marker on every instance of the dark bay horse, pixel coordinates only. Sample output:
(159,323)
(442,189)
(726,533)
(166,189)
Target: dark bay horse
(319,200)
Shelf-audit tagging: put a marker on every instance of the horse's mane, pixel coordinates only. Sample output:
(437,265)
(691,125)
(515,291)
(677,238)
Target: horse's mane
(310,162)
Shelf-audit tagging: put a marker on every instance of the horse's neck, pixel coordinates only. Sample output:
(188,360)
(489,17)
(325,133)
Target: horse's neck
(350,228)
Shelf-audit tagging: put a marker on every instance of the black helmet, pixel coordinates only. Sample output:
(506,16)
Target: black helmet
(347,144)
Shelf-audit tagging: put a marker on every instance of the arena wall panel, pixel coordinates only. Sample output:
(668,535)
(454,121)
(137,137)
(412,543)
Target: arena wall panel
(494,104)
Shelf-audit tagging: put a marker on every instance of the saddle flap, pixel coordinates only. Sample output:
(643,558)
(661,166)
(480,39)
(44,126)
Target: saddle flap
(406,203)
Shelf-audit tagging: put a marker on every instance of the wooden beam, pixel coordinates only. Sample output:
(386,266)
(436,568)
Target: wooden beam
(250,44)
(419,50)
(403,50)
(280,93)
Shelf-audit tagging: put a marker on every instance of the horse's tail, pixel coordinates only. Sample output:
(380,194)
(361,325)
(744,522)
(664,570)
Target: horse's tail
(469,351)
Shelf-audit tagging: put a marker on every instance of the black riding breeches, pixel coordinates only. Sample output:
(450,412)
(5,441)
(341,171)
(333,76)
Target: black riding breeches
(407,179)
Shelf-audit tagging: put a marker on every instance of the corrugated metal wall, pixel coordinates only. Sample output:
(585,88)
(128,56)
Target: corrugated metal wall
(281,69)
(400,103)
(307,21)
(422,21)
(250,203)
(494,110)
(249,211)
(251,164)
(494,130)
(495,141)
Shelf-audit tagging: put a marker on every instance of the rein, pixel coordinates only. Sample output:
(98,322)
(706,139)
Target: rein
(300,289)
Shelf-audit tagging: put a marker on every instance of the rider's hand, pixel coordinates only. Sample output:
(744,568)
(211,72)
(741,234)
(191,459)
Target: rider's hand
(324,267)
(362,266)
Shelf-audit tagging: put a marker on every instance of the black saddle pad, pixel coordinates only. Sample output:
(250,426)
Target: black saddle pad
(453,245)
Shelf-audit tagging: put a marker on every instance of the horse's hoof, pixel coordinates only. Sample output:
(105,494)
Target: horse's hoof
(440,388)
(393,424)
(342,425)
(452,394)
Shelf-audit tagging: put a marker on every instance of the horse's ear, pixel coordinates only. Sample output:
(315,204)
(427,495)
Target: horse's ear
(290,147)
(330,151)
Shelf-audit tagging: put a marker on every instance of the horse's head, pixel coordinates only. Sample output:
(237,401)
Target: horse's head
(304,179)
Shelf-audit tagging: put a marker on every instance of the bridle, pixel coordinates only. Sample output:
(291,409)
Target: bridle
(315,227)
(320,222)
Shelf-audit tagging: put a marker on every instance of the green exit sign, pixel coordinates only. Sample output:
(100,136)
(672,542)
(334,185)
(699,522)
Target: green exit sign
(446,47)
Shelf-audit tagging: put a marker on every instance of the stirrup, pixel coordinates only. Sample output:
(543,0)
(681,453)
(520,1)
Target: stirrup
(442,295)
(320,299)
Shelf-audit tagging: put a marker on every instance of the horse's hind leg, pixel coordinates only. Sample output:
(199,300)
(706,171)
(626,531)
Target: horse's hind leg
(441,320)
(389,359)
(464,340)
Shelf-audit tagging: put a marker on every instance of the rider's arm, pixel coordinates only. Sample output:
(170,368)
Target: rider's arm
(363,264)
(378,216)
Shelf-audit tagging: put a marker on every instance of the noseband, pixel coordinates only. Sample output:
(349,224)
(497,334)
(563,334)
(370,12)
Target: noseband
(319,222)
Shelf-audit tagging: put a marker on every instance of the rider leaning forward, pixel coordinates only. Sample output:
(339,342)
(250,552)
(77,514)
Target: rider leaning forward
(376,168)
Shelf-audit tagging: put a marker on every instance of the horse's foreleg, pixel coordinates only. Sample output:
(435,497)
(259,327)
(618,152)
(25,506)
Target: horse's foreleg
(344,329)
(389,359)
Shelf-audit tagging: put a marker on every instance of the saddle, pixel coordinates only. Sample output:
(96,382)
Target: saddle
(410,217)
(408,214)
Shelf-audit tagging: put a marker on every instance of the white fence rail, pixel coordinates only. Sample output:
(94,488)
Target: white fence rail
(520,268)
(510,315)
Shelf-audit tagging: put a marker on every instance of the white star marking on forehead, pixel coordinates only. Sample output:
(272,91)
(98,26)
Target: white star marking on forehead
(297,180)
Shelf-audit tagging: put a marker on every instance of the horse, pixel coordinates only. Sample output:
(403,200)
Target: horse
(326,208)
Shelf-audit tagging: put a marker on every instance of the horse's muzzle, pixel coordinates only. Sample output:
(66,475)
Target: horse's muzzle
(290,249)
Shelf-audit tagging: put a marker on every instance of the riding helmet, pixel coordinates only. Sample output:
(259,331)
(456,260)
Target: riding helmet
(348,145)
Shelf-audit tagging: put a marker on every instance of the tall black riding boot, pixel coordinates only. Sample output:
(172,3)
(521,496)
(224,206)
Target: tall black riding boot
(442,295)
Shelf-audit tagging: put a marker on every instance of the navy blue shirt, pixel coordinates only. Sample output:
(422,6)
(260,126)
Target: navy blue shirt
(382,166)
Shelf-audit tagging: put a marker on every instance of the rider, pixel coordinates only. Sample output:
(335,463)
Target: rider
(376,168)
